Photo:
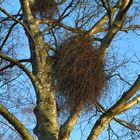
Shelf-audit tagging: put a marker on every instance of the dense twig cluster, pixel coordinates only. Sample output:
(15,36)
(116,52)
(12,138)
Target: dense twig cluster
(78,72)
(43,8)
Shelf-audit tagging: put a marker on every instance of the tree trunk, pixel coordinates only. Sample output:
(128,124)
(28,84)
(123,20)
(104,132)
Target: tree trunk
(45,111)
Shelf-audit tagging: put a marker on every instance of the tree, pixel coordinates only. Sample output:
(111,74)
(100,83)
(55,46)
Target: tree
(45,24)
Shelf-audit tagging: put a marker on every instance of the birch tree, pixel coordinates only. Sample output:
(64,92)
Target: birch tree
(37,27)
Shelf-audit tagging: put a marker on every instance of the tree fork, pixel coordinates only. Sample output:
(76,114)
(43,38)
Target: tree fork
(45,111)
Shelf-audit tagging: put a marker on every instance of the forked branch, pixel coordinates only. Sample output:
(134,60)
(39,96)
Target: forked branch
(21,66)
(117,108)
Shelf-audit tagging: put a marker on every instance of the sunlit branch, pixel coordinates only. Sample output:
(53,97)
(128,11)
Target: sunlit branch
(13,64)
(120,105)
(61,2)
(116,26)
(19,127)
(131,103)
(126,5)
(67,127)
(121,122)
(107,7)
(98,26)
(21,66)
(108,115)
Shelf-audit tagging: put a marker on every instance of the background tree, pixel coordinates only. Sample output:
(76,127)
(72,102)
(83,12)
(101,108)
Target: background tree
(31,36)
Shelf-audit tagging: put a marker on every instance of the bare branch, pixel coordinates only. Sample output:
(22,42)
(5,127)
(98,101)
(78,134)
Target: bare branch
(21,66)
(13,64)
(131,103)
(116,26)
(130,28)
(120,105)
(108,115)
(121,122)
(8,34)
(62,16)
(98,26)
(127,124)
(19,127)
(106,5)
(18,21)
(56,22)
(66,128)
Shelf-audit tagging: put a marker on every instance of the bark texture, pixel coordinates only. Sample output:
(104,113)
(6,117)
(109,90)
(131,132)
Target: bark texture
(45,111)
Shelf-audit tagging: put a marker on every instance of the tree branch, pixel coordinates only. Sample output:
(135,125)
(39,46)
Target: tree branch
(21,66)
(131,103)
(107,7)
(121,122)
(116,26)
(8,34)
(108,115)
(67,127)
(120,105)
(131,27)
(19,127)
(127,124)
(18,21)
(13,64)
(55,22)
(98,26)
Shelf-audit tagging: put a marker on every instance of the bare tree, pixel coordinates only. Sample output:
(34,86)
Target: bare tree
(41,28)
